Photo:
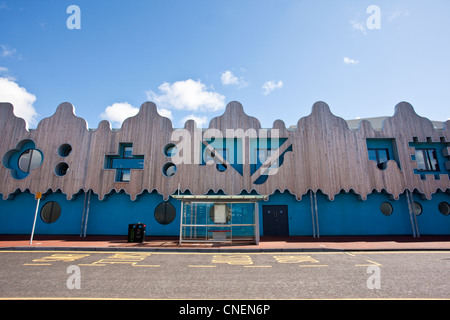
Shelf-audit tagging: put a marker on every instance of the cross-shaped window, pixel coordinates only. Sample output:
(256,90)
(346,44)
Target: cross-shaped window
(124,161)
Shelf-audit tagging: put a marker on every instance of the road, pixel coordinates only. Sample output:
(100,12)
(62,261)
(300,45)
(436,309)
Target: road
(147,275)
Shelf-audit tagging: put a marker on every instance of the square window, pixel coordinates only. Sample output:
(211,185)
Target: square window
(128,152)
(427,160)
(380,156)
(124,175)
(123,162)
(383,155)
(372,155)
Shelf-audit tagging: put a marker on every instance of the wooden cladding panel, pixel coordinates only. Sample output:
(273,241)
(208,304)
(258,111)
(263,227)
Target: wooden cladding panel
(326,155)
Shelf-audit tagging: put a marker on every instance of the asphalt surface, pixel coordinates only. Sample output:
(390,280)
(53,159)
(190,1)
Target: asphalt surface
(270,275)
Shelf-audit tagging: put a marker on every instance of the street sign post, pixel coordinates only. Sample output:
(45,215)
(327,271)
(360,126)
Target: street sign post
(38,198)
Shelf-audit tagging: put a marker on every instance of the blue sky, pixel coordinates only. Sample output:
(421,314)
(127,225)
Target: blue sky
(192,57)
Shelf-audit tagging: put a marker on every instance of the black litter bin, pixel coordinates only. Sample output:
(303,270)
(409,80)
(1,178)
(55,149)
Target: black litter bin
(136,232)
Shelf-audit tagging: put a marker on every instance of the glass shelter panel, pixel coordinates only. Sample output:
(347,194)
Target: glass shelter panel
(218,221)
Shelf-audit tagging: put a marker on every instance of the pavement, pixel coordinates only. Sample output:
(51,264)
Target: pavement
(266,244)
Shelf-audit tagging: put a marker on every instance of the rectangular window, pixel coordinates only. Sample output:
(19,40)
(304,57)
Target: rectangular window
(210,156)
(126,175)
(224,154)
(427,160)
(128,152)
(381,150)
(380,156)
(123,162)
(263,154)
(123,175)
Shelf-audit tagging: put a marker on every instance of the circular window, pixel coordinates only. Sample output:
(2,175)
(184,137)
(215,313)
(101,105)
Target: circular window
(50,212)
(417,208)
(64,150)
(386,208)
(444,208)
(165,213)
(169,169)
(170,150)
(221,167)
(61,169)
(30,160)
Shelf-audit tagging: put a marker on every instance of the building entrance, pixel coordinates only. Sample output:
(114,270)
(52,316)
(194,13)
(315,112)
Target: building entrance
(275,220)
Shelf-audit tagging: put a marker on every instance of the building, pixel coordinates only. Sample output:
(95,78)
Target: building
(231,180)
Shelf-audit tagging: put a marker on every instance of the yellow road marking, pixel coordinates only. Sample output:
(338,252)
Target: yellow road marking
(241,253)
(367,265)
(200,266)
(121,258)
(146,265)
(350,254)
(232,259)
(169,299)
(312,265)
(295,259)
(257,266)
(184,253)
(64,257)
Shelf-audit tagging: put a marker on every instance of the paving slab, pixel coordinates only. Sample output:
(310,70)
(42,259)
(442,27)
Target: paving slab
(266,244)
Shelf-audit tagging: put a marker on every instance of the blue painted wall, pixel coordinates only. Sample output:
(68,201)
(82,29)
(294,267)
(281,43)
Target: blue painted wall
(17,215)
(346,215)
(300,220)
(431,221)
(108,217)
(112,215)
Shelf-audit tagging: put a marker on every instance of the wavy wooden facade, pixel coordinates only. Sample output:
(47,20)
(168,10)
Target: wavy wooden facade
(322,154)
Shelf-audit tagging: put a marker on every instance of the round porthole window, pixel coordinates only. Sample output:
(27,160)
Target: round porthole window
(61,169)
(386,208)
(417,208)
(169,169)
(30,160)
(165,213)
(64,150)
(444,208)
(221,167)
(50,212)
(170,150)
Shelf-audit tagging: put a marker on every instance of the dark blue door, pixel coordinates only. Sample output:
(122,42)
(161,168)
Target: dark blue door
(275,220)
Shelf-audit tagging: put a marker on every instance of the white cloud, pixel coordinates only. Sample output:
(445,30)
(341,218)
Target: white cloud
(187,95)
(357,25)
(165,113)
(269,86)
(348,60)
(228,78)
(118,112)
(6,51)
(201,121)
(20,98)
(6,75)
(398,14)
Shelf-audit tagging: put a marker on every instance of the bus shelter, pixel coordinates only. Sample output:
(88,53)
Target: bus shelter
(219,218)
